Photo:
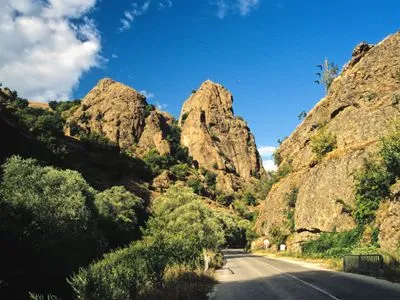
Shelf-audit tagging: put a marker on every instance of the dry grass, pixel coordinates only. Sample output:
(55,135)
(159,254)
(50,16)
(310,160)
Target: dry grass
(344,151)
(39,105)
(183,284)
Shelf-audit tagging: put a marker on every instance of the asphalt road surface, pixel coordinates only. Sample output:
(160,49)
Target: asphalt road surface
(247,276)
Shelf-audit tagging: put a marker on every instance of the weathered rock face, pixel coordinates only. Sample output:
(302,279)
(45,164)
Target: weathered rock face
(357,110)
(216,139)
(123,116)
(388,220)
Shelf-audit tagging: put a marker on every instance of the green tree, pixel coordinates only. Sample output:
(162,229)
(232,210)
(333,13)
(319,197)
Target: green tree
(329,72)
(118,210)
(302,115)
(47,225)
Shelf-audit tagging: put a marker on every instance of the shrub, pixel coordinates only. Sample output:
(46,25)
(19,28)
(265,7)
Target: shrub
(283,170)
(122,274)
(277,236)
(395,99)
(42,210)
(372,184)
(371,96)
(242,210)
(118,210)
(157,162)
(211,179)
(148,109)
(61,106)
(184,117)
(390,151)
(333,244)
(323,142)
(237,232)
(181,171)
(225,199)
(18,103)
(249,199)
(291,197)
(196,185)
(97,140)
(346,208)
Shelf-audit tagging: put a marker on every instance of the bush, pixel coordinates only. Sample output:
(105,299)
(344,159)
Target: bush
(19,103)
(278,237)
(157,162)
(184,117)
(390,151)
(291,197)
(249,199)
(181,171)
(323,142)
(333,244)
(242,210)
(211,179)
(225,199)
(196,186)
(97,140)
(61,106)
(43,209)
(123,274)
(118,210)
(372,184)
(277,157)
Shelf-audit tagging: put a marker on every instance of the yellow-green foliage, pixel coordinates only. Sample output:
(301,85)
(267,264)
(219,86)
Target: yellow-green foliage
(323,142)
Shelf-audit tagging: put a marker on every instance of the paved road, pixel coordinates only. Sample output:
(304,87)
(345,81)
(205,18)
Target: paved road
(247,276)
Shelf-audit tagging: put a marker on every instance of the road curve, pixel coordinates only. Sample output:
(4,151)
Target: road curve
(247,276)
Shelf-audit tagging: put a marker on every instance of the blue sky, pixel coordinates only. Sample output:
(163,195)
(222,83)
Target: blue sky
(263,51)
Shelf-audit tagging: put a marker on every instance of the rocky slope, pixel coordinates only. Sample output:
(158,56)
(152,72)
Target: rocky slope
(217,139)
(360,104)
(123,116)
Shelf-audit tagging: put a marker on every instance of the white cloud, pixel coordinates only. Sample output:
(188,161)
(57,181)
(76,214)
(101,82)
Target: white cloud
(164,4)
(147,94)
(269,165)
(132,14)
(222,8)
(161,106)
(266,150)
(246,6)
(47,46)
(114,56)
(266,153)
(242,7)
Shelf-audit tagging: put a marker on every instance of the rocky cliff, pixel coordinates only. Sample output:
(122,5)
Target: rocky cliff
(353,116)
(122,115)
(217,139)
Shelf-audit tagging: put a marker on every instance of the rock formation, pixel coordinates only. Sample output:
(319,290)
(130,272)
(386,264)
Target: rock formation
(122,115)
(360,104)
(216,139)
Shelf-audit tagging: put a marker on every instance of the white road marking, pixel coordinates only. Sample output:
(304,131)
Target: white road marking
(304,282)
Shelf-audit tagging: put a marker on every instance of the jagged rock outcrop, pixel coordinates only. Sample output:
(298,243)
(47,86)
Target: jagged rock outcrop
(216,139)
(122,115)
(360,104)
